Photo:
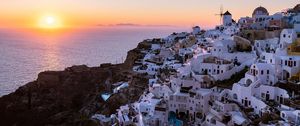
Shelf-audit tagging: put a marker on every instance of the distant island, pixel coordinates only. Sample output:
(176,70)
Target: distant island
(243,72)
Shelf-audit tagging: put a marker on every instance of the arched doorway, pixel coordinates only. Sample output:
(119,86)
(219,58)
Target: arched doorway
(285,75)
(248,82)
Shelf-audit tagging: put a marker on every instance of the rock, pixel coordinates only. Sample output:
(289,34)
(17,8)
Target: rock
(50,78)
(71,97)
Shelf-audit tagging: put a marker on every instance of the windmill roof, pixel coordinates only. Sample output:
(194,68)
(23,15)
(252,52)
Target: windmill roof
(227,13)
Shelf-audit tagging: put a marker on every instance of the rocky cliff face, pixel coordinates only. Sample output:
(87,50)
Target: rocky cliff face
(72,96)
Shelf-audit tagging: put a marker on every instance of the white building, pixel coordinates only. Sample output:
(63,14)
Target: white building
(260,15)
(161,91)
(227,19)
(291,116)
(287,37)
(212,66)
(223,46)
(160,116)
(268,45)
(287,66)
(256,88)
(190,102)
(196,30)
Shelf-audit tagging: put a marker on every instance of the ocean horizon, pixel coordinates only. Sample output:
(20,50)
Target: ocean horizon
(25,53)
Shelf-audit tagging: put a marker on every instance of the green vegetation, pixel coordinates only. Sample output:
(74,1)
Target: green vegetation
(233,79)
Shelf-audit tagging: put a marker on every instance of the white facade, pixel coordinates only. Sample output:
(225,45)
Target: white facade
(287,66)
(227,19)
(190,103)
(291,116)
(196,30)
(223,46)
(268,45)
(257,87)
(287,37)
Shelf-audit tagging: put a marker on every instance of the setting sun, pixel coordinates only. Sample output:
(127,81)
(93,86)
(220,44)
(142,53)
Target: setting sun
(50,22)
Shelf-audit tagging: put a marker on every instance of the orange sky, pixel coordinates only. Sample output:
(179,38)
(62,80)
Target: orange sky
(83,13)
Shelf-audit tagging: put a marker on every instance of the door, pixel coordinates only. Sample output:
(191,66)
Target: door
(267,97)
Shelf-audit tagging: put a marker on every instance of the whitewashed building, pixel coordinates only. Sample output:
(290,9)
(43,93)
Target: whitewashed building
(227,19)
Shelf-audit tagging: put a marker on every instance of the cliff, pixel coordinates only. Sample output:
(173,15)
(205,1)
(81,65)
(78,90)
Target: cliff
(72,96)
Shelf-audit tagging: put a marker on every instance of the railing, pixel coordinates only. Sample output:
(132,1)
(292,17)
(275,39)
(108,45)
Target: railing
(255,84)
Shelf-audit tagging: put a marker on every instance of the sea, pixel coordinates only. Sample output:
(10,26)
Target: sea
(26,52)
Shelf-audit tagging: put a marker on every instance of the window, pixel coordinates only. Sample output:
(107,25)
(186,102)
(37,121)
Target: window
(285,62)
(262,72)
(284,35)
(213,121)
(283,115)
(295,63)
(234,96)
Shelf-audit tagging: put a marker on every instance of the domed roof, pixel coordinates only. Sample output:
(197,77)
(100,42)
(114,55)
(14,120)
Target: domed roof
(260,11)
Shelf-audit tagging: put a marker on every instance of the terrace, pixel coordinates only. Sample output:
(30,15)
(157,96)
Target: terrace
(216,60)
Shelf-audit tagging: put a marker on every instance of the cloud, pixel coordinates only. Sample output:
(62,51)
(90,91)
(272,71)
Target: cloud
(100,25)
(135,25)
(127,24)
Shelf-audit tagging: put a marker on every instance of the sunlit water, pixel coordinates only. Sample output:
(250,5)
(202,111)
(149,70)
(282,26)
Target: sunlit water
(25,53)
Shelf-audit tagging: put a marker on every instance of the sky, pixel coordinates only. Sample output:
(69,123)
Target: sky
(86,13)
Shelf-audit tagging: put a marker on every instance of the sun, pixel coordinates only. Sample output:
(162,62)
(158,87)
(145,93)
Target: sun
(50,22)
